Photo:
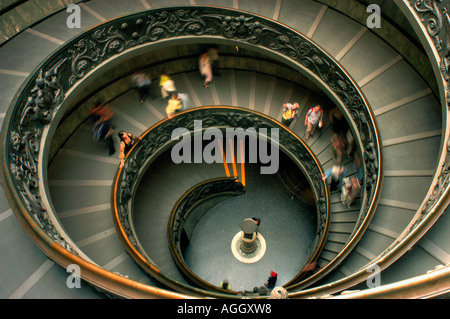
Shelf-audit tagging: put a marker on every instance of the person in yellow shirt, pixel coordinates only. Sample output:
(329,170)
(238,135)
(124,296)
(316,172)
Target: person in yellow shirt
(174,105)
(289,113)
(167,85)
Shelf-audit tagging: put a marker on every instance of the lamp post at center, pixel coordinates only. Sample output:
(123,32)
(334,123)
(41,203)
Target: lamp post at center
(248,246)
(249,228)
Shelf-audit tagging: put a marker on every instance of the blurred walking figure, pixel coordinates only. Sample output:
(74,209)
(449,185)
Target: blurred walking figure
(142,82)
(102,128)
(185,101)
(214,57)
(289,113)
(314,118)
(340,126)
(167,85)
(350,142)
(337,174)
(357,166)
(351,190)
(105,133)
(206,69)
(101,113)
(126,142)
(338,123)
(174,105)
(339,148)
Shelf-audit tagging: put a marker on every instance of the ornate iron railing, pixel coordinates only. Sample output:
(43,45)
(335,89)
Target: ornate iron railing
(37,108)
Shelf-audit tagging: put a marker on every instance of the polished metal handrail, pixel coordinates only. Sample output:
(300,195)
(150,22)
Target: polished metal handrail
(434,284)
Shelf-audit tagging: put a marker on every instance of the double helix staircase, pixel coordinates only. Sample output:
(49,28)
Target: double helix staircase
(80,174)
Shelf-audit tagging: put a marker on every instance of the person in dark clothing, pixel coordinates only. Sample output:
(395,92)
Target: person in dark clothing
(225,285)
(142,84)
(105,133)
(338,123)
(339,148)
(272,280)
(102,129)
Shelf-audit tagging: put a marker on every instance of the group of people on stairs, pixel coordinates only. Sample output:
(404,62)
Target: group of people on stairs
(342,142)
(342,145)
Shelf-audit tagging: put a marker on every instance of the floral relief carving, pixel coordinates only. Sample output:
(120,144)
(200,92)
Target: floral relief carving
(435,16)
(45,96)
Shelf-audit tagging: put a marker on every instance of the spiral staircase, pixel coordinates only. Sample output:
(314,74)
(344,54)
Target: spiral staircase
(401,70)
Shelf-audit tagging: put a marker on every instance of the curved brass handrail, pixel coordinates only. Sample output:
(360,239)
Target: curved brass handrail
(40,104)
(195,196)
(433,284)
(156,140)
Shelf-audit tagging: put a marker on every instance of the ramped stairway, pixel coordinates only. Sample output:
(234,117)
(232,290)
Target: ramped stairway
(80,176)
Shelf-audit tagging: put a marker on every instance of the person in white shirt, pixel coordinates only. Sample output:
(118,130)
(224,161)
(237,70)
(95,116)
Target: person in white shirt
(313,118)
(142,83)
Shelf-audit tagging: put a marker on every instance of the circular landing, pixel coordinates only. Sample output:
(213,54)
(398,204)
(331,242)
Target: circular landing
(248,258)
(288,228)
